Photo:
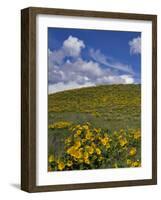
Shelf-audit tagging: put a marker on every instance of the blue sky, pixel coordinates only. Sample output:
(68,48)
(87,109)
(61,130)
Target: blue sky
(80,58)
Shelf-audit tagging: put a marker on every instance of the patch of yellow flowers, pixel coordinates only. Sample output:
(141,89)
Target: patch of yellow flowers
(60,125)
(95,148)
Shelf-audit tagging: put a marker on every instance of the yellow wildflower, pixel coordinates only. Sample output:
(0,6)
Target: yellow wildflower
(83,140)
(136,164)
(97,130)
(85,127)
(128,162)
(88,135)
(122,131)
(90,150)
(78,126)
(93,144)
(137,135)
(73,129)
(78,132)
(104,140)
(60,125)
(71,150)
(61,166)
(77,144)
(132,151)
(86,154)
(86,160)
(98,151)
(51,158)
(69,163)
(68,140)
(123,141)
(77,154)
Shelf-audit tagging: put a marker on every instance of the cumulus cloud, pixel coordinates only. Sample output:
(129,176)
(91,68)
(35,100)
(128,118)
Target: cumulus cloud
(72,46)
(135,46)
(79,71)
(68,70)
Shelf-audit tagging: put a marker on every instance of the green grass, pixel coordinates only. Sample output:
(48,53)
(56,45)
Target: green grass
(107,107)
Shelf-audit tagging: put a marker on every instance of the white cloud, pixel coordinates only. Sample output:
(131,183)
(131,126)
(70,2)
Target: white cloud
(56,56)
(135,46)
(79,71)
(58,87)
(74,72)
(90,68)
(73,46)
(61,86)
(127,79)
(116,79)
(101,58)
(98,56)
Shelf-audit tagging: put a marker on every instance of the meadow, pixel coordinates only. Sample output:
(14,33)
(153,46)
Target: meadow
(95,127)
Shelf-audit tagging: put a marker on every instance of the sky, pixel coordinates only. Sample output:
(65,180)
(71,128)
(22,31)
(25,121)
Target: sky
(82,58)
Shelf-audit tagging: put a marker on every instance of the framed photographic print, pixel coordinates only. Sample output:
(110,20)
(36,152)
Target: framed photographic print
(88,99)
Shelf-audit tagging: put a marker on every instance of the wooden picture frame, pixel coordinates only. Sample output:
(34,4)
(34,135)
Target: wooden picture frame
(28,98)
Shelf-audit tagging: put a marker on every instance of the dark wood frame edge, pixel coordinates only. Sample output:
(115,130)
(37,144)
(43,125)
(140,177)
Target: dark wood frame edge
(28,99)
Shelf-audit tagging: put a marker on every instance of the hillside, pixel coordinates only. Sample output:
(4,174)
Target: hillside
(107,106)
(74,117)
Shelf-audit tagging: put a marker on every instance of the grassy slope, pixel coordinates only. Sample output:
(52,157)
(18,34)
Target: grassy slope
(108,107)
